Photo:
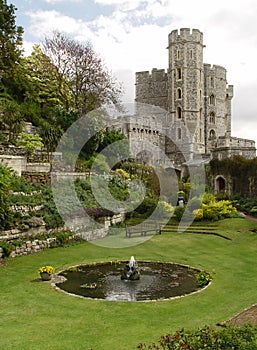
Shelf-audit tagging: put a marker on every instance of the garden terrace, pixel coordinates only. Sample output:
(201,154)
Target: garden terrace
(54,320)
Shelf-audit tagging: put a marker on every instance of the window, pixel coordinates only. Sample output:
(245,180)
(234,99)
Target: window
(178,54)
(179,73)
(212,118)
(191,54)
(201,114)
(212,82)
(212,100)
(179,133)
(212,134)
(179,113)
(179,93)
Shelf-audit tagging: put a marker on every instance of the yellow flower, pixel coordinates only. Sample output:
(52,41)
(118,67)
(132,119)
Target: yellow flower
(49,269)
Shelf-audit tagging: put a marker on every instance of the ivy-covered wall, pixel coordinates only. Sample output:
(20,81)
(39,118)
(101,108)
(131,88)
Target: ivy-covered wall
(236,175)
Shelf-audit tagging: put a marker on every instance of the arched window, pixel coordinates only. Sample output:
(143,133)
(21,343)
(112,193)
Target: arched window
(212,100)
(212,118)
(178,54)
(179,93)
(179,113)
(179,73)
(179,134)
(212,82)
(212,134)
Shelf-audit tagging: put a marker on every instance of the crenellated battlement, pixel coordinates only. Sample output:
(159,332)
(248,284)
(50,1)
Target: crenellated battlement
(184,35)
(195,94)
(155,75)
(215,70)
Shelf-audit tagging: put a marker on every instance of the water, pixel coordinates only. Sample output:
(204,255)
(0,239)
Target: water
(102,281)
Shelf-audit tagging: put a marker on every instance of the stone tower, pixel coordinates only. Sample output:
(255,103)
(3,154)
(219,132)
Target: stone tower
(197,100)
(186,84)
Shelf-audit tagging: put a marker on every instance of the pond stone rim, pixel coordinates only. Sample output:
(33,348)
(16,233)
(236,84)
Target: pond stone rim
(60,279)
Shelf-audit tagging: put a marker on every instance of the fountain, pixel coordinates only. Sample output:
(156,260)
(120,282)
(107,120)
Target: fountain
(130,272)
(121,280)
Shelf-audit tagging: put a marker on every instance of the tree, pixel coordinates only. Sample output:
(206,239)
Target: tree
(117,149)
(11,118)
(80,69)
(41,76)
(10,39)
(30,142)
(50,135)
(5,181)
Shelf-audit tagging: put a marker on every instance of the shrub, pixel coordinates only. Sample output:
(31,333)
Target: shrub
(193,204)
(164,210)
(146,207)
(7,248)
(203,278)
(208,198)
(228,338)
(213,210)
(178,213)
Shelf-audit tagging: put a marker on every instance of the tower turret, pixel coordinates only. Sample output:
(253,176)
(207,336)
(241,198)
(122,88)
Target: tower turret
(186,83)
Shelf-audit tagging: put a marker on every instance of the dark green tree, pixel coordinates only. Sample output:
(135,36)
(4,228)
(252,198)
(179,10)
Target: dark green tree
(11,119)
(5,181)
(10,40)
(50,135)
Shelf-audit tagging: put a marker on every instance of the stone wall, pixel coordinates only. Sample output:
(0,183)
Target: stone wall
(17,163)
(31,246)
(195,94)
(37,178)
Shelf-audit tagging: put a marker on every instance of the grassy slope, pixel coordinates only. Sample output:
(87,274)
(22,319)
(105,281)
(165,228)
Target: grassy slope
(35,316)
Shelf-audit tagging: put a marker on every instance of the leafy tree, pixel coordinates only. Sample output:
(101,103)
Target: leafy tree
(117,149)
(80,74)
(30,142)
(41,76)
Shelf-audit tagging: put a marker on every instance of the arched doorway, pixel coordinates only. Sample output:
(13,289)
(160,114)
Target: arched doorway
(220,184)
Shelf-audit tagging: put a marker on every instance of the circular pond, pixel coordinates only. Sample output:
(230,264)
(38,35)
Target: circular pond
(158,280)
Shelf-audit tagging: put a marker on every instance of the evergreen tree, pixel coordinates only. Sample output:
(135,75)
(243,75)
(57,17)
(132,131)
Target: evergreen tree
(10,39)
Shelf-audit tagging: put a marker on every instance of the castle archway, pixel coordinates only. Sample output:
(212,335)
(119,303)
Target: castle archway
(144,157)
(220,184)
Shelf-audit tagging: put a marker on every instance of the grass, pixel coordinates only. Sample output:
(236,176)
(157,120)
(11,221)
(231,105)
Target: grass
(35,316)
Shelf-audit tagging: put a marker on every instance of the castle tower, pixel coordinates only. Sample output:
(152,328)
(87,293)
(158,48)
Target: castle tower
(197,100)
(186,85)
(217,105)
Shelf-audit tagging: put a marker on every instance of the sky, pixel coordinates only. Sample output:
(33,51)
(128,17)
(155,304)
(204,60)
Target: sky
(132,36)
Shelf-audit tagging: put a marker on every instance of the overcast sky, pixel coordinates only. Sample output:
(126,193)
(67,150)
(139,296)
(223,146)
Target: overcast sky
(132,36)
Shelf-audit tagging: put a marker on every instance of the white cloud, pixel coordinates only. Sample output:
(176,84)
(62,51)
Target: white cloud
(135,36)
(53,2)
(44,22)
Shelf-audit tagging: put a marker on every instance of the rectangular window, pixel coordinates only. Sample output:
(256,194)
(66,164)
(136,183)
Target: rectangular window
(179,73)
(179,133)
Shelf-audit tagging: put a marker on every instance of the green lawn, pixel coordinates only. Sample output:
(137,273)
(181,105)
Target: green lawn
(35,316)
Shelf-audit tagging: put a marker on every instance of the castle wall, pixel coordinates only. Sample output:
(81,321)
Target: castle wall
(151,88)
(226,147)
(217,104)
(198,101)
